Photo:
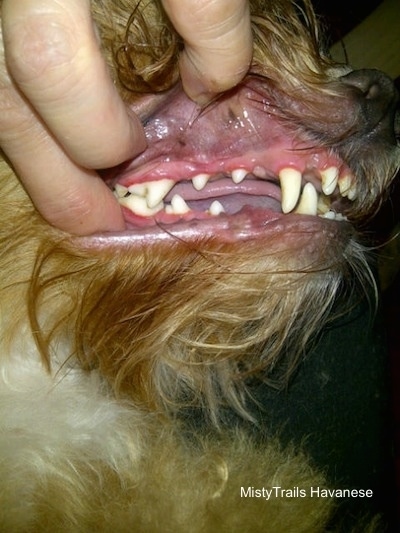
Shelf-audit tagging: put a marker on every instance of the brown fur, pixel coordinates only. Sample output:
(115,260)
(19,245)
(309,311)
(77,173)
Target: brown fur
(178,324)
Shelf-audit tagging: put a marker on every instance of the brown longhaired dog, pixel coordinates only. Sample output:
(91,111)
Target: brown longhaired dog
(242,240)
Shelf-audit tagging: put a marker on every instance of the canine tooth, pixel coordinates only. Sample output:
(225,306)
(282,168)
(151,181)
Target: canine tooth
(179,206)
(291,185)
(238,175)
(344,183)
(216,208)
(138,205)
(157,190)
(329,178)
(200,181)
(308,201)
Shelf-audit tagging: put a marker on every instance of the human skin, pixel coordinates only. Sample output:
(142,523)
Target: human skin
(60,111)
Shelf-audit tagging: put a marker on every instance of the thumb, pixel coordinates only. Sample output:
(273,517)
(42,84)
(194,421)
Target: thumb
(218,43)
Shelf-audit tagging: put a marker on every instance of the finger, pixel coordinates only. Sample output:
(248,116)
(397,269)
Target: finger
(218,43)
(53,55)
(68,196)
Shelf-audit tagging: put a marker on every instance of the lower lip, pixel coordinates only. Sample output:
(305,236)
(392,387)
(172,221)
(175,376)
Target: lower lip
(249,224)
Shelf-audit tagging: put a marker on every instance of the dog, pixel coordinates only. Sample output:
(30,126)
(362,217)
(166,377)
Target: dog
(126,359)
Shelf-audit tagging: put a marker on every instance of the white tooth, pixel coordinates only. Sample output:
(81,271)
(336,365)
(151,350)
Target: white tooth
(200,181)
(308,201)
(260,172)
(120,190)
(157,190)
(347,187)
(138,205)
(329,178)
(216,208)
(139,189)
(344,184)
(291,185)
(352,192)
(331,215)
(179,206)
(238,175)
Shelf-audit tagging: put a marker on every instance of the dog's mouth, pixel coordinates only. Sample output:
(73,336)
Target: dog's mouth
(232,168)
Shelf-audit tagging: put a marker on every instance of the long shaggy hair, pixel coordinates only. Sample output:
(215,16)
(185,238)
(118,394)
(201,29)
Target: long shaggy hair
(104,340)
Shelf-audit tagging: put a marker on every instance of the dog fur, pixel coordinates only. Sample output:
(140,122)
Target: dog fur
(105,344)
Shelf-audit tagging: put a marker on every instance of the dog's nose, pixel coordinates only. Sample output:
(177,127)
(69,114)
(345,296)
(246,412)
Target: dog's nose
(377,97)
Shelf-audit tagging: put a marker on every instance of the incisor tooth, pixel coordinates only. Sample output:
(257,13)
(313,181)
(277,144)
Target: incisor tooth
(179,206)
(329,178)
(330,215)
(157,190)
(200,181)
(352,193)
(138,205)
(153,191)
(290,179)
(347,187)
(238,175)
(308,201)
(139,189)
(344,183)
(216,208)
(120,190)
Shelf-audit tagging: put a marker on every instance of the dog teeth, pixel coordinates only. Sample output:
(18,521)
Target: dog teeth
(331,215)
(178,205)
(147,198)
(290,179)
(138,205)
(346,187)
(153,192)
(238,175)
(308,204)
(344,184)
(200,181)
(120,191)
(329,178)
(138,189)
(157,190)
(216,208)
(352,193)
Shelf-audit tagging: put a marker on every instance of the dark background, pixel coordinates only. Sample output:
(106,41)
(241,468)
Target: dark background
(339,20)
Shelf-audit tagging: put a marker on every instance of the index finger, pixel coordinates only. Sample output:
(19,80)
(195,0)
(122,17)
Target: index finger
(53,54)
(218,43)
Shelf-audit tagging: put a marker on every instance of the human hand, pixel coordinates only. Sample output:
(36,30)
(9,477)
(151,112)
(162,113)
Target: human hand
(218,44)
(60,114)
